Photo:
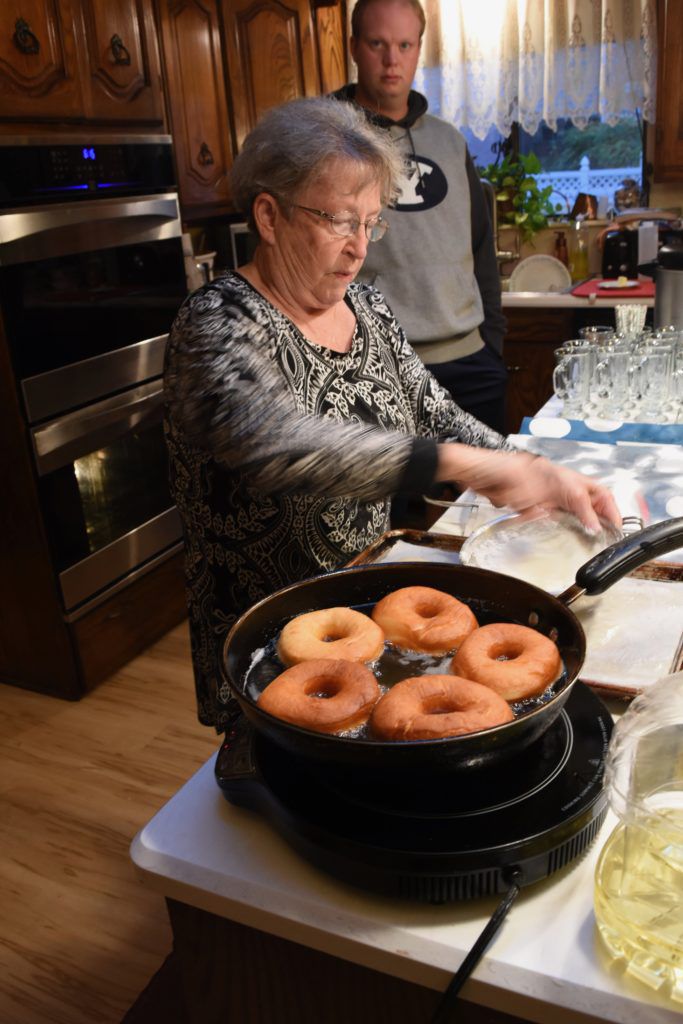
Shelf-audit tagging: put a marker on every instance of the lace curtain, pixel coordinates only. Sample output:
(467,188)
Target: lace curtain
(488,63)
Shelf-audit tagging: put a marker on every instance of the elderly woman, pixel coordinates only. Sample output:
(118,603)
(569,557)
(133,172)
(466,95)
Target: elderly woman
(295,406)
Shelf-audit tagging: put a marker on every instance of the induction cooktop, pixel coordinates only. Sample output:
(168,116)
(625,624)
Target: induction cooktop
(455,835)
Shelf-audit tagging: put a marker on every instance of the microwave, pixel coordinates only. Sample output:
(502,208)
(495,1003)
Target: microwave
(243,241)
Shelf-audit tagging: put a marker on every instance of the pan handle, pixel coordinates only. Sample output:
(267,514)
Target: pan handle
(616,561)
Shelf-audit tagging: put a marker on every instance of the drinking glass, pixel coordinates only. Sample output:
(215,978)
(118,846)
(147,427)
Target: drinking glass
(651,379)
(596,333)
(630,317)
(610,383)
(571,378)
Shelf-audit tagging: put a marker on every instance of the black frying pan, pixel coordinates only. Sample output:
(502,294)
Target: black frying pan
(493,597)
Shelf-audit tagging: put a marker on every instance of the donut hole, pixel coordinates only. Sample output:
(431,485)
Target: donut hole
(439,707)
(506,652)
(322,689)
(428,610)
(331,638)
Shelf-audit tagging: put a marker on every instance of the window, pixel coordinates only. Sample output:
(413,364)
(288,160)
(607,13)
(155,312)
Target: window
(596,159)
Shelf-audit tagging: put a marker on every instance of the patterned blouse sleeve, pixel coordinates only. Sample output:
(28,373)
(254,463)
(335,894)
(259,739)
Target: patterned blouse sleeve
(224,393)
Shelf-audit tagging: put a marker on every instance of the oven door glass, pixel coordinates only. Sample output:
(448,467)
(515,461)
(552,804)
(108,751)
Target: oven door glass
(68,308)
(107,510)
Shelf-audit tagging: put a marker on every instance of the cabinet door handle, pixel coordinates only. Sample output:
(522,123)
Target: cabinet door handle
(119,51)
(205,156)
(24,39)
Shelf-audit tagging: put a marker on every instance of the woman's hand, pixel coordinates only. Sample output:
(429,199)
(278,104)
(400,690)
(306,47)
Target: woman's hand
(523,481)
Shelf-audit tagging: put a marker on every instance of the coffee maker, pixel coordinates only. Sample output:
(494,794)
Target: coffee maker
(620,254)
(667,271)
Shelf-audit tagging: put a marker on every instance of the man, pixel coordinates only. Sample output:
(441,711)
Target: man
(436,265)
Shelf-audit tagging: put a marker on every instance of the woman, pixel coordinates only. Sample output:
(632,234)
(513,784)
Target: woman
(295,406)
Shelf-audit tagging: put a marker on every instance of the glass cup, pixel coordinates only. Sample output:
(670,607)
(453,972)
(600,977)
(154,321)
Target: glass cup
(651,378)
(596,333)
(630,317)
(610,388)
(572,377)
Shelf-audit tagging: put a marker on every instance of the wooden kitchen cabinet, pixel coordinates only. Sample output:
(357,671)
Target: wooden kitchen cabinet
(120,62)
(330,30)
(194,73)
(76,61)
(228,61)
(39,75)
(668,159)
(271,55)
(528,351)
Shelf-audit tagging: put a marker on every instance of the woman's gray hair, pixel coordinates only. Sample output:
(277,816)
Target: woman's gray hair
(291,145)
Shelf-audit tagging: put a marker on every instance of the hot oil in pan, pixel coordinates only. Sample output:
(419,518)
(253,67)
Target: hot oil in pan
(390,668)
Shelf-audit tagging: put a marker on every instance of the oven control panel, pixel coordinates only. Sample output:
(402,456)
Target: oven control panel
(33,173)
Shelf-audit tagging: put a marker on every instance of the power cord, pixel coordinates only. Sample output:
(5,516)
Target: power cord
(446,1012)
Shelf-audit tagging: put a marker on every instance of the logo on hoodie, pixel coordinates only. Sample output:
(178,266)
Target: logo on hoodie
(423,186)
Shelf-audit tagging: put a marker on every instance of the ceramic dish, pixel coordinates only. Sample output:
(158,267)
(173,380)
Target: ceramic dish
(540,274)
(618,284)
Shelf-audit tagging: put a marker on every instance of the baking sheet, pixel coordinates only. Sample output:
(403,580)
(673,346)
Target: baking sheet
(634,631)
(634,634)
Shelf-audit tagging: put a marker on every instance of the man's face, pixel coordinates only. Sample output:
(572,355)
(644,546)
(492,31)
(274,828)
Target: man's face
(386,54)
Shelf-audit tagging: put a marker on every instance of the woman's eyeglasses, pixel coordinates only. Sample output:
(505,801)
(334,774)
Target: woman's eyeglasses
(346,224)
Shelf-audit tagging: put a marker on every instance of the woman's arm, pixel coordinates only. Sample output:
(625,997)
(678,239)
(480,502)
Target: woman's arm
(224,394)
(520,481)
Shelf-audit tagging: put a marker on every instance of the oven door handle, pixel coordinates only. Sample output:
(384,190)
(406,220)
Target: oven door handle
(23,224)
(45,232)
(79,433)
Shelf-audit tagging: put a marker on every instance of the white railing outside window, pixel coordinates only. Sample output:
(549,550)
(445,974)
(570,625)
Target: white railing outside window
(600,182)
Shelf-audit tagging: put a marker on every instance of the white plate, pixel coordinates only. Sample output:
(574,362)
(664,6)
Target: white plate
(618,284)
(540,274)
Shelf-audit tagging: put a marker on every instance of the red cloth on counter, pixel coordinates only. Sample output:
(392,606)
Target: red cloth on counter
(645,290)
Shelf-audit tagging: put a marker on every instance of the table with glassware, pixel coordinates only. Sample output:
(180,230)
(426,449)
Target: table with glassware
(628,373)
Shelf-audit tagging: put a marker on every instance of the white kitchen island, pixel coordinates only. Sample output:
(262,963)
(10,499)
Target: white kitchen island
(218,864)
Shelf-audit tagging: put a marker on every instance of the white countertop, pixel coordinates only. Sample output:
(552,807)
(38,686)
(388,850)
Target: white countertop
(203,851)
(565,300)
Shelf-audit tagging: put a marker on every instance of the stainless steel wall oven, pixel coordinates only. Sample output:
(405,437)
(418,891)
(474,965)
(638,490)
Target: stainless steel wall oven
(91,276)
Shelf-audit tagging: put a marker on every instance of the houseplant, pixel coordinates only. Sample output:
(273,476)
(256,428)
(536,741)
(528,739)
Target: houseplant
(520,202)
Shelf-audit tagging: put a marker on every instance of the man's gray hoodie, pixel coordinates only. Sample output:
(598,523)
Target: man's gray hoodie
(436,265)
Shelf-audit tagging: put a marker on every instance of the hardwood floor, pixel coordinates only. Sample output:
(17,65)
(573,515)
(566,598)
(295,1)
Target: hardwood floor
(79,936)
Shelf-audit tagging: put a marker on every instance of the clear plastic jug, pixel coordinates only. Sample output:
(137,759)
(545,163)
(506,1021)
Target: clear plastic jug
(639,875)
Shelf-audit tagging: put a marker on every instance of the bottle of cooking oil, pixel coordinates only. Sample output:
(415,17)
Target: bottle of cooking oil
(639,875)
(578,263)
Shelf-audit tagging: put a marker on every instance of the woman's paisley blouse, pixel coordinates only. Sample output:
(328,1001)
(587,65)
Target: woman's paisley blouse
(284,453)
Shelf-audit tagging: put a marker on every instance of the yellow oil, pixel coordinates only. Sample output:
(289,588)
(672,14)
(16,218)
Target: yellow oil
(579,263)
(639,900)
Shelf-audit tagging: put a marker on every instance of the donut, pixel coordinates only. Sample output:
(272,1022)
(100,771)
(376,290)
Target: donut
(323,695)
(515,661)
(432,707)
(424,619)
(335,633)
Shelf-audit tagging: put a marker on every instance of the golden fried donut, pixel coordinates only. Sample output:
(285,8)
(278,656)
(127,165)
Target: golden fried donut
(424,619)
(515,661)
(431,707)
(323,695)
(335,633)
